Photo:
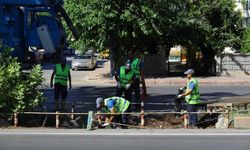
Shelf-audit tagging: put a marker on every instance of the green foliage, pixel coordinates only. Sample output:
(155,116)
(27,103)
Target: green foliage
(103,23)
(207,25)
(224,24)
(245,47)
(18,90)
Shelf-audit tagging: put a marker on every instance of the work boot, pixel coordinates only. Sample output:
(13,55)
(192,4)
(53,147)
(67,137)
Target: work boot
(191,126)
(113,126)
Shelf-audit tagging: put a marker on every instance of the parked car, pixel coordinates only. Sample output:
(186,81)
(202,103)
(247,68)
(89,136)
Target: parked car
(83,62)
(104,54)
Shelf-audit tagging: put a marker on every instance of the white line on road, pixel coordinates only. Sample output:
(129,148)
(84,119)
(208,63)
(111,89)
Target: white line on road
(128,134)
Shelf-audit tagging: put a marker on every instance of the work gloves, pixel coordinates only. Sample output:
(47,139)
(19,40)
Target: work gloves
(105,124)
(180,96)
(128,86)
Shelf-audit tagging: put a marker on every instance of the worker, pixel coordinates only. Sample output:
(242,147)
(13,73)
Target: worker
(125,77)
(111,106)
(62,75)
(137,66)
(192,96)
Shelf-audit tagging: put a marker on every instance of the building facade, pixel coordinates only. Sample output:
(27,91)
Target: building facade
(244,7)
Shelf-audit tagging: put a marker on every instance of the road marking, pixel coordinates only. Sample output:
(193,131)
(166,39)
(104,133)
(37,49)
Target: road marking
(128,134)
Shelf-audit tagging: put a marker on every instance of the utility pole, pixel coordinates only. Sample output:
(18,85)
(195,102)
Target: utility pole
(111,64)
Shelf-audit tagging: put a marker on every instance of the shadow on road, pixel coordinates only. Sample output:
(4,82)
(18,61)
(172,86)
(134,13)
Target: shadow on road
(84,97)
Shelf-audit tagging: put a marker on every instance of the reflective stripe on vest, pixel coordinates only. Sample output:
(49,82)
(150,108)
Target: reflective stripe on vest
(135,67)
(121,104)
(194,97)
(62,75)
(125,78)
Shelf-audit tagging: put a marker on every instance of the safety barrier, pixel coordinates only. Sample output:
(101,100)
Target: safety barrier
(91,114)
(79,103)
(90,120)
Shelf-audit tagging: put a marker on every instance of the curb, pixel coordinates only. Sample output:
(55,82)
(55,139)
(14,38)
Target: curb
(175,81)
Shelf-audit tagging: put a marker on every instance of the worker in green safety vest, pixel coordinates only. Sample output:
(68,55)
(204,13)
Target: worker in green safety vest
(124,77)
(137,65)
(61,76)
(192,96)
(111,106)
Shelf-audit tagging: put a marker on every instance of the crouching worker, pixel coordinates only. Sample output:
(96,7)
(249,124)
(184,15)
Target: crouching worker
(113,105)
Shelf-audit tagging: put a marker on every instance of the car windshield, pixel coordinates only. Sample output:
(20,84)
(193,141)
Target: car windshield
(83,57)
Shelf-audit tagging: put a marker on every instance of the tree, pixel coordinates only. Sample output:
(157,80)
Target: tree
(245,47)
(18,91)
(100,20)
(122,25)
(219,25)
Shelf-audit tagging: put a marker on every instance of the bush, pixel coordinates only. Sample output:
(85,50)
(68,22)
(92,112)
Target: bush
(18,91)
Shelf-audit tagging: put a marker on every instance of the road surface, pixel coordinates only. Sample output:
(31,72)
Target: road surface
(124,140)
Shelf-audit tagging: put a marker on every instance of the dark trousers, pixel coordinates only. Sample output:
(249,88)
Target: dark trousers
(127,93)
(193,118)
(136,90)
(122,118)
(60,91)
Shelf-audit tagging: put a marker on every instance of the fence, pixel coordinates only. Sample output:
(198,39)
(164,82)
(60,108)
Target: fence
(91,114)
(142,113)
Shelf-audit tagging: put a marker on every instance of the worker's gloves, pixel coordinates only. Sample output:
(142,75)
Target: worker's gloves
(182,88)
(180,96)
(128,86)
(105,124)
(119,85)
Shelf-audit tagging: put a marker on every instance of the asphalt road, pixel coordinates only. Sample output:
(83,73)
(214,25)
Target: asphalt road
(124,141)
(84,94)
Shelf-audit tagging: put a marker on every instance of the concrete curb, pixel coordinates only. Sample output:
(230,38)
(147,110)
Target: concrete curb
(97,77)
(179,81)
(123,131)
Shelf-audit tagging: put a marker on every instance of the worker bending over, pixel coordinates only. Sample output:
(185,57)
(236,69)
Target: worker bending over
(113,105)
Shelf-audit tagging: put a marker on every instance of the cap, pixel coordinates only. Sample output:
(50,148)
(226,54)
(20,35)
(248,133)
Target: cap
(189,71)
(99,100)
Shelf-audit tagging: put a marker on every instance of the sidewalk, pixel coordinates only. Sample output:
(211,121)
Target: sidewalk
(101,76)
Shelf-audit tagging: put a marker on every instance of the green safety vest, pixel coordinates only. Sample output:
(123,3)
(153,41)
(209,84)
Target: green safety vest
(125,78)
(135,67)
(121,104)
(62,75)
(194,97)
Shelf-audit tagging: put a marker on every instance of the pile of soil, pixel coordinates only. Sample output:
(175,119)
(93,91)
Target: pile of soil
(164,121)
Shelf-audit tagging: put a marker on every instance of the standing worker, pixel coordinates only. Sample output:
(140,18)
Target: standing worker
(62,76)
(192,97)
(137,66)
(125,77)
(113,105)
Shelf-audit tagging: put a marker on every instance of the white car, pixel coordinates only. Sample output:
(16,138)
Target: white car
(83,62)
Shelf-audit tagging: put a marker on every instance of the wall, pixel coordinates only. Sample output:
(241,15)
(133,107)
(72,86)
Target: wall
(155,64)
(229,64)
